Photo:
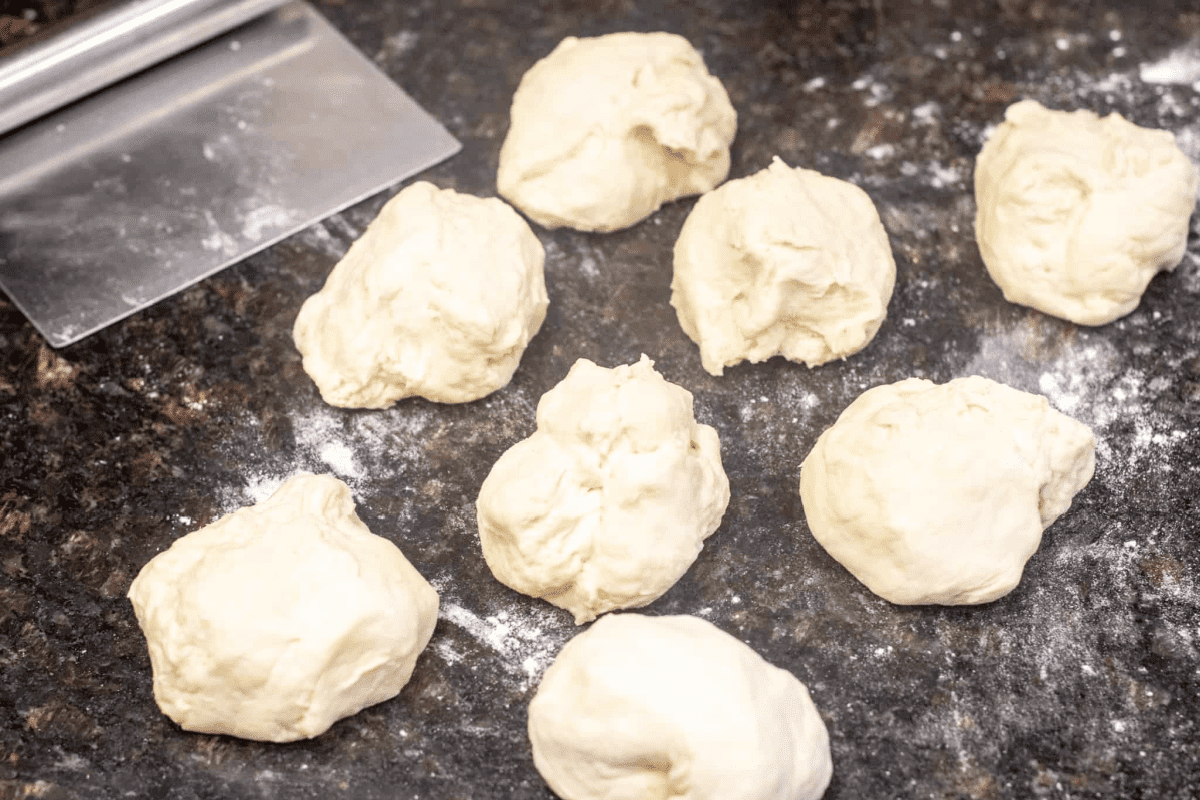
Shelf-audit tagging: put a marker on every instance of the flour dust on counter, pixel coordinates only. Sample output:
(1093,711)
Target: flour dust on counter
(1180,67)
(1118,562)
(319,238)
(1074,629)
(359,448)
(524,637)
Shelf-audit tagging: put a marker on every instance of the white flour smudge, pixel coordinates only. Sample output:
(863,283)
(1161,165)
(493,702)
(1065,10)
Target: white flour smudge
(257,489)
(353,446)
(217,240)
(582,260)
(266,220)
(1180,66)
(926,113)
(341,460)
(400,43)
(936,174)
(320,239)
(525,641)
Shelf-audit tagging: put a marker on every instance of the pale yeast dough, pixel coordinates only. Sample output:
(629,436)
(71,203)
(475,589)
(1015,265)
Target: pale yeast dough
(785,262)
(1076,213)
(281,618)
(651,708)
(940,494)
(603,131)
(438,299)
(609,502)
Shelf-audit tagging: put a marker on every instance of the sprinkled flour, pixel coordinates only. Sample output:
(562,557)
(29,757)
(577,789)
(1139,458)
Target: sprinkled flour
(526,640)
(1181,66)
(353,446)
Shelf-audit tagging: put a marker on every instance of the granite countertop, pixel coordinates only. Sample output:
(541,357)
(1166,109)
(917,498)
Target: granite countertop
(1084,682)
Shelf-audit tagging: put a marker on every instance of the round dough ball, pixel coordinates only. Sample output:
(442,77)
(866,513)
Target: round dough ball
(939,493)
(785,262)
(604,131)
(279,619)
(609,502)
(1076,213)
(659,708)
(438,299)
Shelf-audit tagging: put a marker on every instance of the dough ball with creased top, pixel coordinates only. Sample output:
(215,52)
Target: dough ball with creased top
(438,299)
(785,262)
(673,708)
(605,130)
(281,618)
(609,502)
(1076,213)
(939,493)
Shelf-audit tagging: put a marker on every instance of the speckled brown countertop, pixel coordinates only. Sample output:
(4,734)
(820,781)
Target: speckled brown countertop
(1082,683)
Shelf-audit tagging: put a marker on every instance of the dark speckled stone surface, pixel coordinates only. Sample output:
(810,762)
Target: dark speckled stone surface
(1082,683)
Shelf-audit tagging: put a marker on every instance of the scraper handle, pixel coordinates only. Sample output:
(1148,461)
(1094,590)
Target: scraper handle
(95,51)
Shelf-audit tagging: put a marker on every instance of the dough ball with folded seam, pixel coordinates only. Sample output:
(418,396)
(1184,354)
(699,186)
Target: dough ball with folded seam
(609,502)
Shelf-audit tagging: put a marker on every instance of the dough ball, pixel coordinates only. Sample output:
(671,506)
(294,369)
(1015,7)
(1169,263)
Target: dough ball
(276,621)
(672,707)
(604,131)
(609,502)
(1076,213)
(438,299)
(940,494)
(785,262)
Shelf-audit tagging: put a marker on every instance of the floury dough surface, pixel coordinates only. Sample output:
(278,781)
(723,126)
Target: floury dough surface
(438,299)
(939,494)
(609,502)
(605,130)
(674,708)
(279,619)
(1076,213)
(785,262)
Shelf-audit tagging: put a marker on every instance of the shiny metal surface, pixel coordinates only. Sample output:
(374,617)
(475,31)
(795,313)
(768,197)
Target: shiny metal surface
(143,189)
(98,50)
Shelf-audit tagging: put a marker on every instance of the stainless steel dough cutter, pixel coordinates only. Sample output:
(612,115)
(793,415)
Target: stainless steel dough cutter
(153,143)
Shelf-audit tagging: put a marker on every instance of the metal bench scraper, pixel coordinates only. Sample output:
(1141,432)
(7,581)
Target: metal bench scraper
(156,142)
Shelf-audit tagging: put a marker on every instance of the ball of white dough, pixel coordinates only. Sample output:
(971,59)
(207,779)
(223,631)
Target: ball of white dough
(1076,213)
(438,299)
(276,621)
(785,262)
(672,707)
(604,131)
(939,493)
(609,502)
